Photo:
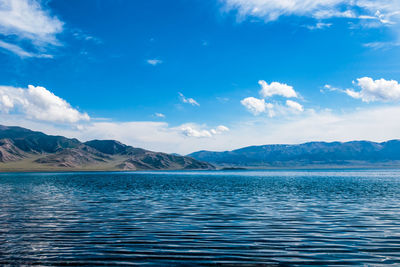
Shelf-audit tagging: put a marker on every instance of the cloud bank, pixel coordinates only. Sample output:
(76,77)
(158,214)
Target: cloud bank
(382,11)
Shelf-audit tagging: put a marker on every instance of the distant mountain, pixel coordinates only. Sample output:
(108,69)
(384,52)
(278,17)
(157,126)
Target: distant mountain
(318,154)
(25,150)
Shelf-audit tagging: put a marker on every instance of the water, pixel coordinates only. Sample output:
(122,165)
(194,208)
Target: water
(201,218)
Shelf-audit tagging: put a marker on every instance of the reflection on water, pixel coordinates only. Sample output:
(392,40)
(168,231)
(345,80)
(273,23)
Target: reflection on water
(204,218)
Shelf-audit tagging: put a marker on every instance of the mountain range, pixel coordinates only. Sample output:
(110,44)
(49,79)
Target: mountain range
(312,154)
(25,150)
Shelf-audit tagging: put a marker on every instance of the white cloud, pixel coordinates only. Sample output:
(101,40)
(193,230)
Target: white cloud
(38,103)
(159,115)
(319,26)
(326,14)
(376,90)
(21,52)
(276,88)
(294,106)
(257,106)
(81,35)
(154,62)
(329,87)
(269,10)
(193,130)
(27,20)
(189,131)
(190,101)
(382,45)
(219,130)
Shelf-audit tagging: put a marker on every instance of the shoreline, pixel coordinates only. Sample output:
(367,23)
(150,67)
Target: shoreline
(218,169)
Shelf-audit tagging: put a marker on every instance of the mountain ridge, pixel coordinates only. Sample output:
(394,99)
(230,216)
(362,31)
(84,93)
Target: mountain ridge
(22,149)
(346,154)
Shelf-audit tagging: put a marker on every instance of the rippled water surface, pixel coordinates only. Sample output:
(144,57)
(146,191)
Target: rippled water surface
(202,218)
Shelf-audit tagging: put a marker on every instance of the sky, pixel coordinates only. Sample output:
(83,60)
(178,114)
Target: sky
(187,75)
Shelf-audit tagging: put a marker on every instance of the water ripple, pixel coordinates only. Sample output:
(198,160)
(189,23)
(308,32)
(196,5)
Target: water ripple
(201,218)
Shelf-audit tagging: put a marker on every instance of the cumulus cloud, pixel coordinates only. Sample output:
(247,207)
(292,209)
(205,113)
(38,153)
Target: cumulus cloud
(257,106)
(189,100)
(276,88)
(192,130)
(38,103)
(270,10)
(27,20)
(189,131)
(293,105)
(376,90)
(154,62)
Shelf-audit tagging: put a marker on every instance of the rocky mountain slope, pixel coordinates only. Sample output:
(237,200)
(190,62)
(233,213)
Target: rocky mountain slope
(23,150)
(348,154)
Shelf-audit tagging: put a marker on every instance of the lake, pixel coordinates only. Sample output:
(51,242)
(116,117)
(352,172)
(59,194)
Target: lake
(201,218)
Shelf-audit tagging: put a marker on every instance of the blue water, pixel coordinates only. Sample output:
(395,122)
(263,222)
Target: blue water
(201,218)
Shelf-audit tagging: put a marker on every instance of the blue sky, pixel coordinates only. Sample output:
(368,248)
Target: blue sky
(179,76)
